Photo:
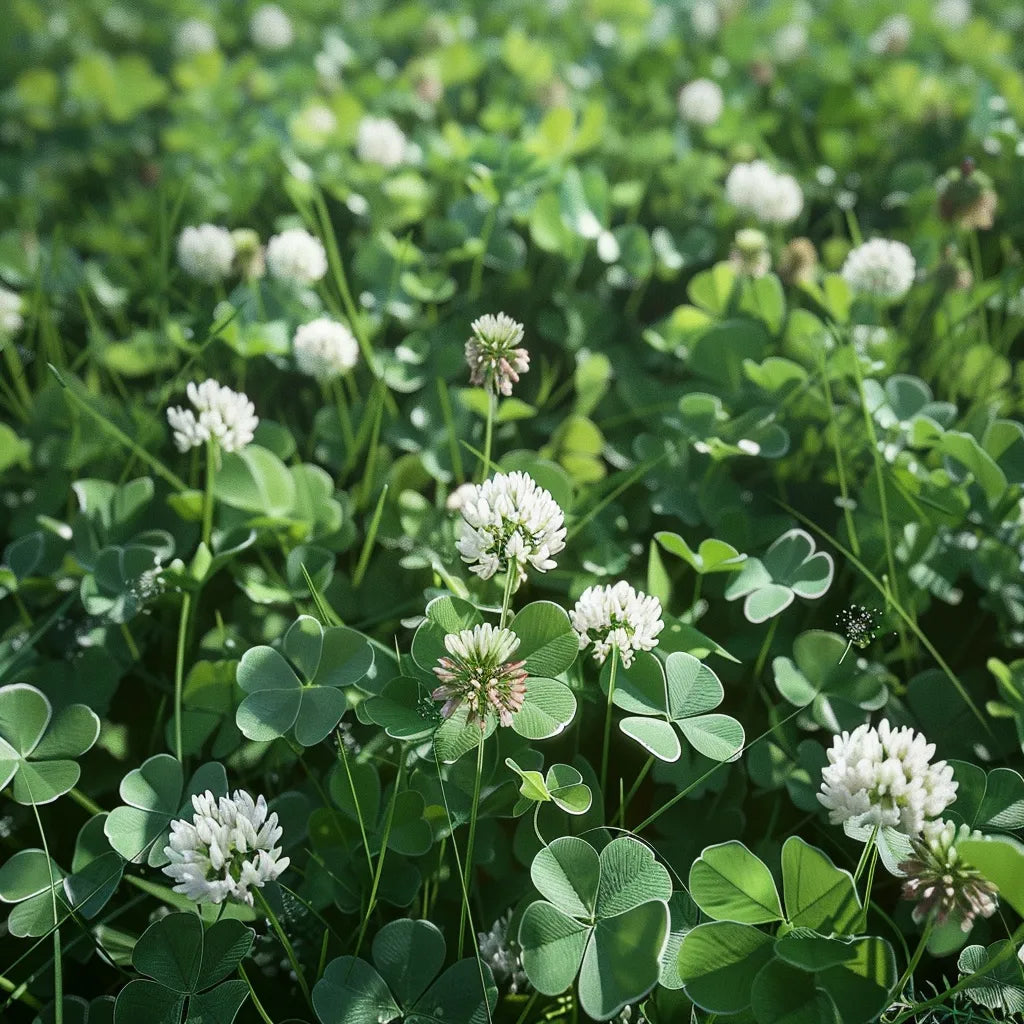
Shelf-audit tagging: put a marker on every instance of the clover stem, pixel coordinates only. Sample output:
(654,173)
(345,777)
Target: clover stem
(345,421)
(506,600)
(1009,950)
(485,466)
(179,671)
(868,847)
(288,948)
(608,720)
(255,998)
(867,889)
(383,849)
(467,868)
(633,790)
(58,963)
(211,473)
(915,959)
(84,802)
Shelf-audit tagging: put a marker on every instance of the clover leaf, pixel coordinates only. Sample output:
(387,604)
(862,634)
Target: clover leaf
(311,701)
(155,794)
(1002,988)
(836,688)
(710,557)
(809,968)
(563,786)
(604,919)
(683,694)
(37,748)
(38,885)
(791,568)
(78,1011)
(547,643)
(402,982)
(185,966)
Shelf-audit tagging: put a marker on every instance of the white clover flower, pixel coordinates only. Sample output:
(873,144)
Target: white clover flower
(510,518)
(495,357)
(892,36)
(880,268)
(705,19)
(11,320)
(325,349)
(884,776)
(501,952)
(206,252)
(617,616)
(758,189)
(750,254)
(225,416)
(194,36)
(952,14)
(296,256)
(270,28)
(701,102)
(226,850)
(459,497)
(479,673)
(320,119)
(380,141)
(943,886)
(790,42)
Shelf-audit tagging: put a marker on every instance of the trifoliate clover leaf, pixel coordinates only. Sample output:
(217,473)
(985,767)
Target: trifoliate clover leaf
(302,689)
(791,568)
(604,919)
(155,794)
(185,966)
(402,982)
(563,786)
(38,748)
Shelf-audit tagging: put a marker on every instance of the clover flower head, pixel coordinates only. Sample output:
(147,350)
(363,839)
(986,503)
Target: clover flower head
(705,19)
(892,36)
(758,189)
(502,953)
(494,354)
(860,625)
(228,849)
(749,254)
(884,776)
(510,518)
(952,14)
(194,36)
(224,416)
(790,42)
(478,671)
(701,102)
(880,268)
(617,616)
(296,256)
(967,197)
(799,261)
(940,883)
(206,252)
(380,141)
(325,349)
(270,28)
(11,320)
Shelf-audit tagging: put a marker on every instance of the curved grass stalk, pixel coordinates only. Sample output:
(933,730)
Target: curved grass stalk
(900,610)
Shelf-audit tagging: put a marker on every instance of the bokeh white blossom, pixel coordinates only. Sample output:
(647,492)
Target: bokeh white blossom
(325,349)
(206,252)
(296,256)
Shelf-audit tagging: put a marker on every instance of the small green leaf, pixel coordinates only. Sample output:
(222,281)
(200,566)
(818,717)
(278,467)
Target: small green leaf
(730,884)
